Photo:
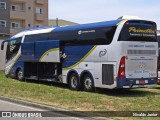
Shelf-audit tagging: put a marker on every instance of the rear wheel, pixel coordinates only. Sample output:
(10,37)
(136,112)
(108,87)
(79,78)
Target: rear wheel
(20,75)
(74,83)
(88,84)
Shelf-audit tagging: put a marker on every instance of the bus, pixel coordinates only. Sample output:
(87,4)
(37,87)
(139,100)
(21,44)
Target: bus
(113,54)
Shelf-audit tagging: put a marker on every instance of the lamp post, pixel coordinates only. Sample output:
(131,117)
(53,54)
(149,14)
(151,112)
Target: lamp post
(56,21)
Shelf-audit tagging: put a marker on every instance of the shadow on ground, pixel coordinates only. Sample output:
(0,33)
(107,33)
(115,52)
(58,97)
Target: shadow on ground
(135,92)
(139,92)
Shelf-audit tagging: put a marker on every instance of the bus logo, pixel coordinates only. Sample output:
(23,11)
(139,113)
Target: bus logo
(135,30)
(142,65)
(102,53)
(86,31)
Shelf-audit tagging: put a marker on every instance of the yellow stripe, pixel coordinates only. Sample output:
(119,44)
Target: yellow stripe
(50,31)
(14,62)
(71,67)
(51,50)
(123,21)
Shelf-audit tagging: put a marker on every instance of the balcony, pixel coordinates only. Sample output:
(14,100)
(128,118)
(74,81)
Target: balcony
(39,17)
(40,1)
(18,15)
(18,1)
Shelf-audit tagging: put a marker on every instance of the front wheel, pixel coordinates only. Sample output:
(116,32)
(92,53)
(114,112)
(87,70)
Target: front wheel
(20,75)
(74,82)
(88,84)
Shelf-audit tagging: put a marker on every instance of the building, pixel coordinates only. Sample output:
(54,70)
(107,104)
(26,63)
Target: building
(60,22)
(16,15)
(4,19)
(2,56)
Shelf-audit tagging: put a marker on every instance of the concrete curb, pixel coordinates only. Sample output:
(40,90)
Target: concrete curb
(51,108)
(31,104)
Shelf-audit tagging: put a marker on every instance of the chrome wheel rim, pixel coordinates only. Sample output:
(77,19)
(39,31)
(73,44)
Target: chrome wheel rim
(20,75)
(88,83)
(74,82)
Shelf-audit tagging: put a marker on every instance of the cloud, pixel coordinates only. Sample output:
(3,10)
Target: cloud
(85,11)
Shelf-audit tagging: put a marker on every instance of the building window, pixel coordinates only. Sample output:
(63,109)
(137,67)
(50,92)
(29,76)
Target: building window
(15,25)
(39,10)
(2,5)
(29,8)
(2,23)
(29,25)
(39,25)
(15,8)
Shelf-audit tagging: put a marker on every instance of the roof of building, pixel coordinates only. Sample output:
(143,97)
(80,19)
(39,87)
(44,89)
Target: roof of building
(60,22)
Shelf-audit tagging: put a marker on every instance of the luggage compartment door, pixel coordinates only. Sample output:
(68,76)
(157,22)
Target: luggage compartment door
(47,51)
(28,51)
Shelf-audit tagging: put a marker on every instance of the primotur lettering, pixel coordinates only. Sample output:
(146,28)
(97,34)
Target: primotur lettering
(138,30)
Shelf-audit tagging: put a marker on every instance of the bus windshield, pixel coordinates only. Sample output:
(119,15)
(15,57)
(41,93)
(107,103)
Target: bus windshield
(138,31)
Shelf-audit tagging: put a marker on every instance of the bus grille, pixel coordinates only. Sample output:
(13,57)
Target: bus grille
(107,74)
(145,52)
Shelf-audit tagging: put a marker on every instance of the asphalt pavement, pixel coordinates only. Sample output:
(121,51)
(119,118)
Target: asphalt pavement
(11,109)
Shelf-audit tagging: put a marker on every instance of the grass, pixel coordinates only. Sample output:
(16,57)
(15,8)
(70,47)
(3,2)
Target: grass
(141,99)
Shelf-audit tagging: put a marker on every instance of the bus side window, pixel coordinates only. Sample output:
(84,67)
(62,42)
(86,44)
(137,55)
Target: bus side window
(13,48)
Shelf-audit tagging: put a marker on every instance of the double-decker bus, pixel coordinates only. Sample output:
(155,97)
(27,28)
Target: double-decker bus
(113,54)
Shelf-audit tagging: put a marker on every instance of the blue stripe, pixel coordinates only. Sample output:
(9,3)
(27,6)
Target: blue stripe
(75,54)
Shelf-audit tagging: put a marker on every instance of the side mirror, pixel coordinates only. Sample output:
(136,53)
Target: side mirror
(2,45)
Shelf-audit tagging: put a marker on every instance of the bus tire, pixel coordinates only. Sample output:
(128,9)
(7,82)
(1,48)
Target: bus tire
(74,83)
(88,84)
(19,75)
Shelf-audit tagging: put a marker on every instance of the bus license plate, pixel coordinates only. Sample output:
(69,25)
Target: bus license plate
(142,82)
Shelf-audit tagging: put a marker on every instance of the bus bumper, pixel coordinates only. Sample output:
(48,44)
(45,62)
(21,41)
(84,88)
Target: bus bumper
(135,83)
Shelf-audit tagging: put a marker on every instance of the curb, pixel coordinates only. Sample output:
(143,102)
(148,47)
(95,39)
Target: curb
(64,112)
(31,104)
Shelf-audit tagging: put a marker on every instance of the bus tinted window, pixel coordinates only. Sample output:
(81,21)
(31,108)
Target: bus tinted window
(13,48)
(98,36)
(36,37)
(135,31)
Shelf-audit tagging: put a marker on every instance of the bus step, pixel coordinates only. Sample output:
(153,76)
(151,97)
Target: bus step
(48,79)
(32,78)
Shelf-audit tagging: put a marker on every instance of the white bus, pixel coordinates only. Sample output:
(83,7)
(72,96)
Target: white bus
(112,54)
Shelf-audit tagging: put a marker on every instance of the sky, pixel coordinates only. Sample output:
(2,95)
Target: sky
(89,11)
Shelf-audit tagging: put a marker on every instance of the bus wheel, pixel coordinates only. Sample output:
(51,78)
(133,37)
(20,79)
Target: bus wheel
(20,75)
(88,85)
(74,82)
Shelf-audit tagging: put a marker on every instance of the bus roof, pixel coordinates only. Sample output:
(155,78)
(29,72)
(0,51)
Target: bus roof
(31,31)
(66,28)
(87,26)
